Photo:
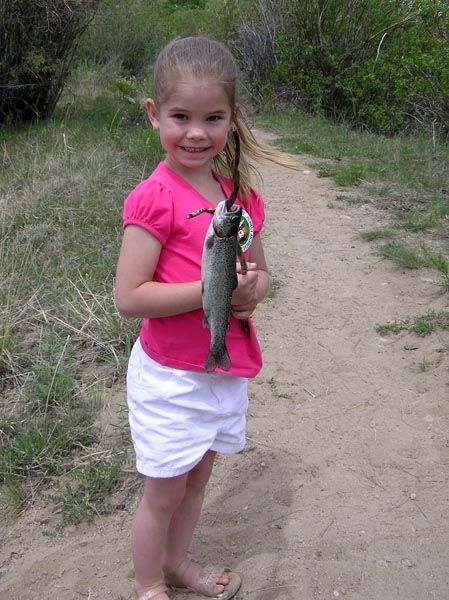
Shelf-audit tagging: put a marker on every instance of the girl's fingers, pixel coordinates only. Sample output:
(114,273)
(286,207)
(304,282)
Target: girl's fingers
(244,308)
(244,314)
(251,267)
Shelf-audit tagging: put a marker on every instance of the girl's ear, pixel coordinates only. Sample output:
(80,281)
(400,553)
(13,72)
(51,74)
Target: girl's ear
(152,113)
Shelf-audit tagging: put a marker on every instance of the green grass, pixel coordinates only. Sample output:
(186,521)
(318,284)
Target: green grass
(422,325)
(378,234)
(437,260)
(392,327)
(403,162)
(275,389)
(86,491)
(62,186)
(417,221)
(408,176)
(424,366)
(343,174)
(409,257)
(400,253)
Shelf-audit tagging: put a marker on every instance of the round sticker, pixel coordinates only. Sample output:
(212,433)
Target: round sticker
(246,231)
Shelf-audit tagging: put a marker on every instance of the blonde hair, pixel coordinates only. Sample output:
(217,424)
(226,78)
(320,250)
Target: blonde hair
(200,57)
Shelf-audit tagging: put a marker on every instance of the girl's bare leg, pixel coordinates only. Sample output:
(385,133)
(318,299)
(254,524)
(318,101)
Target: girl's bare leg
(184,521)
(161,499)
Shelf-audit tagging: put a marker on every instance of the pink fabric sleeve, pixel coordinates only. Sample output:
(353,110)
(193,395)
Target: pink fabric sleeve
(256,208)
(150,205)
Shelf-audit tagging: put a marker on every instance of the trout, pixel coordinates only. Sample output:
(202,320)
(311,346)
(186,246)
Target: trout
(219,279)
(218,269)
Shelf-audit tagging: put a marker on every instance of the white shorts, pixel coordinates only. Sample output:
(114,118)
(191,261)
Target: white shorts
(176,416)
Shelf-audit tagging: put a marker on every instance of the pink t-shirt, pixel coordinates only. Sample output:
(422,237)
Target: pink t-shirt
(161,205)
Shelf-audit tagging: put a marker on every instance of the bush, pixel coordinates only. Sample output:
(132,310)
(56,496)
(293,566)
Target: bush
(37,43)
(122,33)
(379,65)
(129,34)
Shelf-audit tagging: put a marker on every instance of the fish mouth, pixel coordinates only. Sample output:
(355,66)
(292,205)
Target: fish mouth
(226,222)
(234,213)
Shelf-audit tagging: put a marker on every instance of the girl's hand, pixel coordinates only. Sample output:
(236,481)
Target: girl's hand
(244,299)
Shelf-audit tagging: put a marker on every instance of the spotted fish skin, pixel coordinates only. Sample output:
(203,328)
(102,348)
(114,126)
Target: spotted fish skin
(219,279)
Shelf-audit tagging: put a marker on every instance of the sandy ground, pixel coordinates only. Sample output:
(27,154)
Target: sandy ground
(342,490)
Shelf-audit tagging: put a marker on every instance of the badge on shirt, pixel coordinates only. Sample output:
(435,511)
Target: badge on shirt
(246,231)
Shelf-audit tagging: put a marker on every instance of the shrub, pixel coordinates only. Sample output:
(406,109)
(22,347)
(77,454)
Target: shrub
(37,44)
(381,65)
(129,34)
(122,33)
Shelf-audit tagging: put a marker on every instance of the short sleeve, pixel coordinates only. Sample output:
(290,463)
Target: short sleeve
(150,205)
(256,208)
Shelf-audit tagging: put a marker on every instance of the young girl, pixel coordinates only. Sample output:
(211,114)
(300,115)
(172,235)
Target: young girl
(180,416)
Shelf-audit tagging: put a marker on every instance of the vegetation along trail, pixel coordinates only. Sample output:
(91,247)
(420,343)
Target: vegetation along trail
(342,489)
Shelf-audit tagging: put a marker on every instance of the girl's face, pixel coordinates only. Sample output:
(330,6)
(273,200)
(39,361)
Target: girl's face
(193,124)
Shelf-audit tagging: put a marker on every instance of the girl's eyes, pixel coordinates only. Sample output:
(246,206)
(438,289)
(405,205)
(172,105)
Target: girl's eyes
(181,117)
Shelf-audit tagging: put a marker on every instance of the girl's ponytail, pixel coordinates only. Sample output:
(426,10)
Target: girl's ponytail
(250,150)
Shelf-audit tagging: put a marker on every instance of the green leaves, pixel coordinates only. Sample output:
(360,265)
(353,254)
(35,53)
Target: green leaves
(37,41)
(381,66)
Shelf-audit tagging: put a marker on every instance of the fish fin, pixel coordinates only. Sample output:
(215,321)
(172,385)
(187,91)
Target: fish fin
(205,321)
(245,326)
(215,359)
(236,281)
(209,242)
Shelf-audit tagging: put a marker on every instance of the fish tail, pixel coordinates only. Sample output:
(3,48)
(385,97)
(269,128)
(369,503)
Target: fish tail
(218,357)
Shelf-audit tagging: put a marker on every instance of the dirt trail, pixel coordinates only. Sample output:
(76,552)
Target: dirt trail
(342,490)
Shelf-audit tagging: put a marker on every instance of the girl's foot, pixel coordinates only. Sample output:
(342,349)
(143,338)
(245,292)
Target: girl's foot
(208,580)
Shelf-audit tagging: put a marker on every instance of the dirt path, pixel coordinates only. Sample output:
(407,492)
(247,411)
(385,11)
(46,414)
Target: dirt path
(342,491)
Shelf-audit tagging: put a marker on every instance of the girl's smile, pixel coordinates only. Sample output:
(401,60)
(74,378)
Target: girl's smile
(188,149)
(193,124)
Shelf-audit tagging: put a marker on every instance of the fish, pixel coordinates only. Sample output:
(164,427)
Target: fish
(219,270)
(219,280)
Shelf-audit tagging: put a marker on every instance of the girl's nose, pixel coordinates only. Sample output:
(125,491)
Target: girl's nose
(195,133)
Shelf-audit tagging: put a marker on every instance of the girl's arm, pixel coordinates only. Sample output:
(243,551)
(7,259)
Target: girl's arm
(252,287)
(136,294)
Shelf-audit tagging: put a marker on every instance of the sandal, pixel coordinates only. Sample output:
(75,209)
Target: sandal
(207,580)
(153,592)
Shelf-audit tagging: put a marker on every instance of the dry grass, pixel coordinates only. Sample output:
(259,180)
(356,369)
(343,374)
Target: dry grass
(63,186)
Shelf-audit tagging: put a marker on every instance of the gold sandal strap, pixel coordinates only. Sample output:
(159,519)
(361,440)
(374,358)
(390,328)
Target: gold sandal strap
(209,575)
(159,589)
(183,566)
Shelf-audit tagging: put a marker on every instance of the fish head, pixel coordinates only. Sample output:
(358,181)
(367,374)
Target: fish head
(226,221)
